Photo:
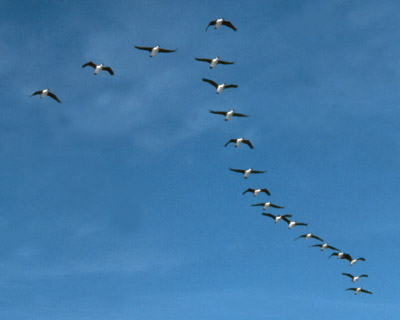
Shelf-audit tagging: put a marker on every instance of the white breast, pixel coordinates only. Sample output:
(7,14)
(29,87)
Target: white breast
(98,69)
(154,51)
(218,23)
(220,88)
(214,62)
(44,93)
(247,173)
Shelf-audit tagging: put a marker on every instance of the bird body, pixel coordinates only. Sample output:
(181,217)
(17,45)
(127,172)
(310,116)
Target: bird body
(325,246)
(351,260)
(219,87)
(292,224)
(214,62)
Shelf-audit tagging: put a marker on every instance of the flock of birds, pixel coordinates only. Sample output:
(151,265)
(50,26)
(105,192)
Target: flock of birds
(246,172)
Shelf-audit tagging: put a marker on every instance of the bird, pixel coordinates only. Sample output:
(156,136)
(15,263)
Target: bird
(239,141)
(359,289)
(229,114)
(308,236)
(97,68)
(46,92)
(291,224)
(154,50)
(266,205)
(246,172)
(214,62)
(339,255)
(219,22)
(325,246)
(257,191)
(354,278)
(276,218)
(351,260)
(221,86)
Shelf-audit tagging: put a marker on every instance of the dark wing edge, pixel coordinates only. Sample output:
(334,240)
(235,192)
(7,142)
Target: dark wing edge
(212,23)
(90,63)
(109,70)
(229,24)
(53,96)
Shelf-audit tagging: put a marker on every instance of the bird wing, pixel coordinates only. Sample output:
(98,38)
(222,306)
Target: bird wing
(109,70)
(333,254)
(302,236)
(364,275)
(269,215)
(232,140)
(36,92)
(333,248)
(286,219)
(248,143)
(248,190)
(347,257)
(366,291)
(286,215)
(225,62)
(316,245)
(318,238)
(53,96)
(239,115)
(219,112)
(237,170)
(266,191)
(210,82)
(229,24)
(90,64)
(166,50)
(353,289)
(258,205)
(348,274)
(144,48)
(275,206)
(205,60)
(231,86)
(301,224)
(362,259)
(212,23)
(257,171)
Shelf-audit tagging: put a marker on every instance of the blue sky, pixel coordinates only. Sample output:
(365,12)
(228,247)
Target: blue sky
(118,203)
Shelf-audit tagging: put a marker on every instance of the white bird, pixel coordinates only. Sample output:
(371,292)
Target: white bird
(154,50)
(325,246)
(308,236)
(340,255)
(351,260)
(214,62)
(98,67)
(292,224)
(229,114)
(239,141)
(219,22)
(246,172)
(276,218)
(266,205)
(44,93)
(257,191)
(359,289)
(221,86)
(354,278)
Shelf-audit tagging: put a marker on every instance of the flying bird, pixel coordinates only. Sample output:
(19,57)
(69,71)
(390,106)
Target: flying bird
(359,289)
(45,92)
(214,62)
(246,172)
(354,278)
(325,246)
(257,191)
(277,218)
(239,141)
(219,87)
(229,114)
(266,205)
(97,68)
(154,50)
(308,236)
(292,224)
(351,260)
(219,22)
(340,255)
